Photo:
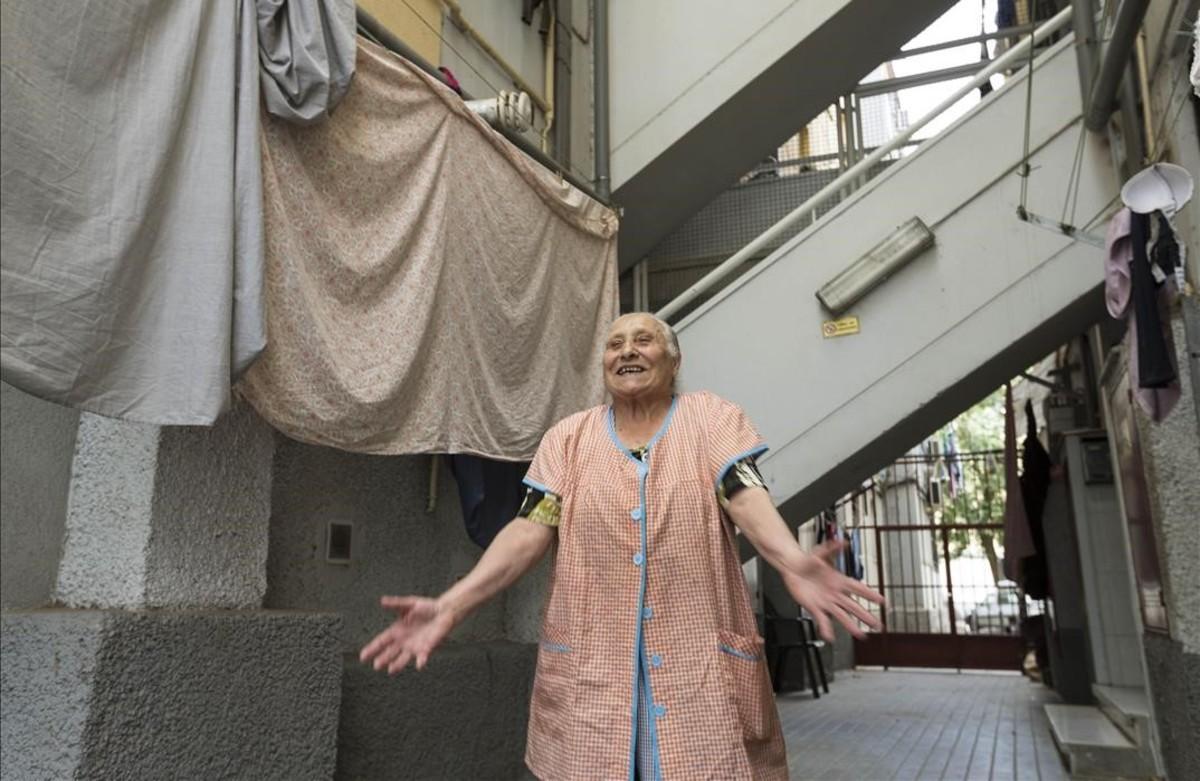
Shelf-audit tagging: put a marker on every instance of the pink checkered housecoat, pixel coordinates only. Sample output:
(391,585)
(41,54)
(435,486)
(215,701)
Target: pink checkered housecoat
(647,564)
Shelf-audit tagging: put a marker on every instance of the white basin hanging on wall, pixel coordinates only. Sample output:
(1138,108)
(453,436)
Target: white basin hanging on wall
(509,110)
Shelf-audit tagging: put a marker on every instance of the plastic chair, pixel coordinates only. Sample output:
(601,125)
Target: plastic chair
(792,634)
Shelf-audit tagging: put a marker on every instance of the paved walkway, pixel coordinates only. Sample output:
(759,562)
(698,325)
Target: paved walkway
(926,726)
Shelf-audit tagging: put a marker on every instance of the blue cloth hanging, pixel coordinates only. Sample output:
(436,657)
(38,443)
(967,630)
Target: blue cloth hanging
(490,492)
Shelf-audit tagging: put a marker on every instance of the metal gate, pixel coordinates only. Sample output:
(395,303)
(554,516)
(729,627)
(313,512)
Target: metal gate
(947,605)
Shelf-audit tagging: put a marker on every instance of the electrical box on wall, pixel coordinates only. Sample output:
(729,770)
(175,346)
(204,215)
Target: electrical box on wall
(1097,463)
(1062,412)
(339,542)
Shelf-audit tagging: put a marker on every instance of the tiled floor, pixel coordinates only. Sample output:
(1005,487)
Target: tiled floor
(876,725)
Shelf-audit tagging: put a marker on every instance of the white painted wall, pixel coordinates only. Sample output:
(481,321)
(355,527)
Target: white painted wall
(523,48)
(1106,570)
(988,282)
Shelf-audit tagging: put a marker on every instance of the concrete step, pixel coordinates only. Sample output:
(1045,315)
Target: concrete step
(1128,708)
(1093,746)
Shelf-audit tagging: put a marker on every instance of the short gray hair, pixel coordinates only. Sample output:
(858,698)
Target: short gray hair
(664,330)
(668,335)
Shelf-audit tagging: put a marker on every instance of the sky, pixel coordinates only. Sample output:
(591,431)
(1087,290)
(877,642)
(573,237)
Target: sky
(964,19)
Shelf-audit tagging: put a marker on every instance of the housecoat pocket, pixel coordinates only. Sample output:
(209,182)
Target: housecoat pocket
(553,683)
(743,669)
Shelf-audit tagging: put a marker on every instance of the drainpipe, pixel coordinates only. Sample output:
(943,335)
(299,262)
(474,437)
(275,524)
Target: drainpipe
(548,75)
(1113,67)
(1131,136)
(600,87)
(1086,55)
(564,45)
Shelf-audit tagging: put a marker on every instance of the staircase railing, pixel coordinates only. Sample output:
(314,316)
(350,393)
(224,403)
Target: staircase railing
(768,237)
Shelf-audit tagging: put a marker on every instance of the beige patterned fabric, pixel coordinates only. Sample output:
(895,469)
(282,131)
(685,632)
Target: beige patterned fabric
(429,288)
(647,568)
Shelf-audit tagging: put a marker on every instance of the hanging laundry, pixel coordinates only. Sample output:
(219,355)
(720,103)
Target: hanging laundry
(1158,402)
(1006,14)
(953,464)
(1018,540)
(451,81)
(1155,363)
(1035,484)
(490,492)
(306,56)
(430,289)
(131,265)
(853,555)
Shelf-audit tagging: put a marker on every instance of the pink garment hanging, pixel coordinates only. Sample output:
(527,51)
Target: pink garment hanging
(429,288)
(1018,540)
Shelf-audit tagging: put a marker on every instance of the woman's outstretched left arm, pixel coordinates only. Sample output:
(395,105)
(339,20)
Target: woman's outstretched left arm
(810,578)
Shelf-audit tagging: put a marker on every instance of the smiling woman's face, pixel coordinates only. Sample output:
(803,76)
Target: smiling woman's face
(636,361)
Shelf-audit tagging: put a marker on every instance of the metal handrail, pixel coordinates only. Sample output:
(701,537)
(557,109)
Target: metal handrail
(1053,25)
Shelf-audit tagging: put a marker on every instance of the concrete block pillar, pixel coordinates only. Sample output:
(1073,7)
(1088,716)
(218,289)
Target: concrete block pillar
(1171,456)
(168,517)
(158,660)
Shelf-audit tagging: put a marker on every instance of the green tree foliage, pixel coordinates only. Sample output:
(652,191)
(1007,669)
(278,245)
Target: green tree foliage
(981,500)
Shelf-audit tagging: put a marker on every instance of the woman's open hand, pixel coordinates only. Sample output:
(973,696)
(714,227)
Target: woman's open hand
(828,594)
(420,626)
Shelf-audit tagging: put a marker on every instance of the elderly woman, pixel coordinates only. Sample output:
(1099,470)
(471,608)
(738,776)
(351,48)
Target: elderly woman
(650,663)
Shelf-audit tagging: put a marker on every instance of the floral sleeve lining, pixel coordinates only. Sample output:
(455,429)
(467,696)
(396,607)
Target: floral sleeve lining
(541,507)
(743,474)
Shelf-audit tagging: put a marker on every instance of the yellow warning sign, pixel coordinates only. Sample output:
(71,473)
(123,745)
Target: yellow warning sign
(842,327)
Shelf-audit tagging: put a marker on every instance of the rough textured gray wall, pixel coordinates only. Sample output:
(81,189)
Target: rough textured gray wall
(108,514)
(168,516)
(1171,450)
(37,441)
(1175,686)
(211,511)
(463,717)
(398,548)
(45,681)
(188,694)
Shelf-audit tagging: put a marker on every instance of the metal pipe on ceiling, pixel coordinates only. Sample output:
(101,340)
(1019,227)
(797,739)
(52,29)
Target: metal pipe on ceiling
(1084,20)
(1103,100)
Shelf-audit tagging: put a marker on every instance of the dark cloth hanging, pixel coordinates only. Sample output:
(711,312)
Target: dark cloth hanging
(1165,251)
(1018,541)
(852,561)
(1006,14)
(1035,483)
(1157,403)
(985,88)
(1155,369)
(490,492)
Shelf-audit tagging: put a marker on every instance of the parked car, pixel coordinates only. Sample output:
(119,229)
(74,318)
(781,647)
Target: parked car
(999,612)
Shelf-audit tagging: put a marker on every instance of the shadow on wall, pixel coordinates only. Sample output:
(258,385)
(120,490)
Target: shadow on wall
(37,443)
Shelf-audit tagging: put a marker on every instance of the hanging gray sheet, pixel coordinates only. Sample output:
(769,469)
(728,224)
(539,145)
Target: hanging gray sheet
(130,200)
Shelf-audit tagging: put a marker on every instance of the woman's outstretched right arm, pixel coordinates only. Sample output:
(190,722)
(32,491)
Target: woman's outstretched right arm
(422,622)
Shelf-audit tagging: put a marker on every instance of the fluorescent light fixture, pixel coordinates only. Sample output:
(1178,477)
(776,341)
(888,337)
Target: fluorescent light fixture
(871,270)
